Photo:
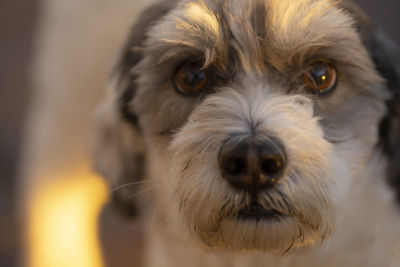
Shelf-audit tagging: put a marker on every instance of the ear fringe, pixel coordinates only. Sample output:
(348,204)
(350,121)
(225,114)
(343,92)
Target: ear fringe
(131,56)
(386,57)
(118,145)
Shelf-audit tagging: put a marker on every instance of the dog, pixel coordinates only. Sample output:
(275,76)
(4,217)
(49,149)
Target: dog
(265,131)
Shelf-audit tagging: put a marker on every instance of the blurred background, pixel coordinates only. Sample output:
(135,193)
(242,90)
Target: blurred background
(55,56)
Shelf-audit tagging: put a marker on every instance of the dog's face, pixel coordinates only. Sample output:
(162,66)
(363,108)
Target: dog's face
(257,116)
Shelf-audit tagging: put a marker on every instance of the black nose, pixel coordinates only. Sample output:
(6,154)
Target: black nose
(252,165)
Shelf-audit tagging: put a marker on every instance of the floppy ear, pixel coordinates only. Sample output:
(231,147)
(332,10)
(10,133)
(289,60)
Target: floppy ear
(117,144)
(386,56)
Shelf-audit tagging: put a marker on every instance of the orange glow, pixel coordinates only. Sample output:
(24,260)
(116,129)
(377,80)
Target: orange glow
(63,222)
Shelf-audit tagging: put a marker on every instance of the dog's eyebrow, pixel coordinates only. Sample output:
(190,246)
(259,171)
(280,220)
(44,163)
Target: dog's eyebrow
(201,15)
(192,26)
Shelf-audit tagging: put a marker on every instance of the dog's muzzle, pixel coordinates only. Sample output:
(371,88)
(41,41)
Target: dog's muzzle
(253,166)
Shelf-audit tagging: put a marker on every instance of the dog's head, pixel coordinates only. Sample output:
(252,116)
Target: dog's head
(254,116)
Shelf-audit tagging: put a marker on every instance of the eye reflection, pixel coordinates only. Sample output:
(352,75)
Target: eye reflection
(320,77)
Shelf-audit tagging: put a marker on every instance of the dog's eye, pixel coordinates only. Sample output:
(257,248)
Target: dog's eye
(320,77)
(190,79)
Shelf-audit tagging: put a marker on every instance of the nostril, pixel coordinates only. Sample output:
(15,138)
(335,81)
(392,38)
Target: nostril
(234,165)
(272,165)
(251,164)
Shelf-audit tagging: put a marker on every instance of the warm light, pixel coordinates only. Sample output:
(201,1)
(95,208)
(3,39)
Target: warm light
(63,222)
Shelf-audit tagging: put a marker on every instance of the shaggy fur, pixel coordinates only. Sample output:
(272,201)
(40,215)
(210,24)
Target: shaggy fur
(339,209)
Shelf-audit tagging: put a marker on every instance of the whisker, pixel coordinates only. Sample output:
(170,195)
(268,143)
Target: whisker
(146,190)
(290,246)
(131,184)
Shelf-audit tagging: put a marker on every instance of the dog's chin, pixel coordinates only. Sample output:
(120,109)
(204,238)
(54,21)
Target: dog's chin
(254,228)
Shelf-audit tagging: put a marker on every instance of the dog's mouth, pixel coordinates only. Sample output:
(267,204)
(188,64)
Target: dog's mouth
(256,212)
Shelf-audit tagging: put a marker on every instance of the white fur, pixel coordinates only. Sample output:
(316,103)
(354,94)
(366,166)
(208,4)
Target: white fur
(333,184)
(315,177)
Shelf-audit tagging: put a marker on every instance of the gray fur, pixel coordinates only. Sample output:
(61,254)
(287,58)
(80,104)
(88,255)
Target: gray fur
(258,51)
(118,146)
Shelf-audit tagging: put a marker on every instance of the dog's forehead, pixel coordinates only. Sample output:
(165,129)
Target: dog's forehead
(272,30)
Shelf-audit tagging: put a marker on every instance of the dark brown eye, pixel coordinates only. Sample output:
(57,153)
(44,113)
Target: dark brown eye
(320,77)
(190,79)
